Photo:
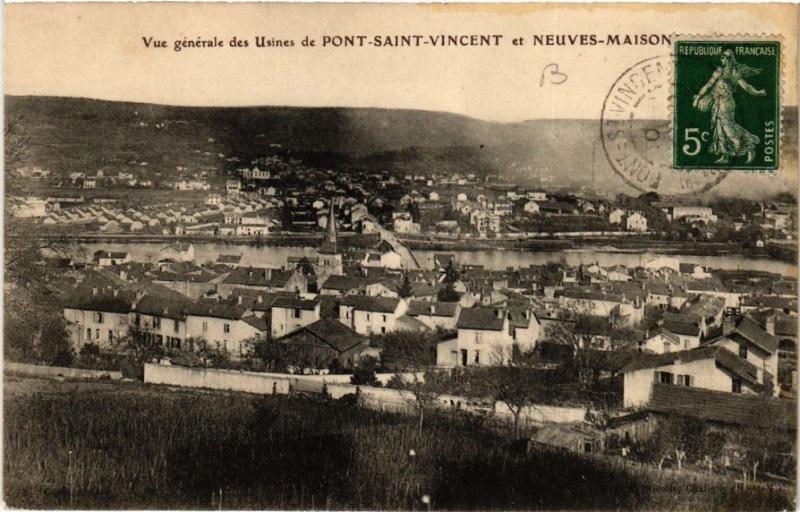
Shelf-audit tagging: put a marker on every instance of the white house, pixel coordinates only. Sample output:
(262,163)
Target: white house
(531,207)
(291,313)
(752,343)
(108,258)
(435,314)
(615,217)
(636,222)
(713,367)
(371,315)
(222,325)
(484,339)
(97,315)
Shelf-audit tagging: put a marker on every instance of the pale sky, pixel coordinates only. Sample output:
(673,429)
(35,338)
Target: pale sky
(96,50)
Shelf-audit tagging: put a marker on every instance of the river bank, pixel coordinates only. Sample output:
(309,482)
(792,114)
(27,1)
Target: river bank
(780,253)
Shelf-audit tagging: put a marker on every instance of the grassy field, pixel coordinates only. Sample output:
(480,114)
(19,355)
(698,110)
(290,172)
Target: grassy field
(125,445)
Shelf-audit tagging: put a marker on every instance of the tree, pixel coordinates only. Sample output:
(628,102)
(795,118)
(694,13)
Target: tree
(513,386)
(404,350)
(425,393)
(142,345)
(364,373)
(451,274)
(447,293)
(405,287)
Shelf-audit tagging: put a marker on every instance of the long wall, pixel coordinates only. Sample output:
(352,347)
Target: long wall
(250,382)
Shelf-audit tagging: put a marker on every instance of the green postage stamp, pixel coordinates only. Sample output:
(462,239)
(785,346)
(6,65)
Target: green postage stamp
(727,105)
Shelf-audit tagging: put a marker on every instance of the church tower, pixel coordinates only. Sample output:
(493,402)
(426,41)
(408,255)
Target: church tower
(330,260)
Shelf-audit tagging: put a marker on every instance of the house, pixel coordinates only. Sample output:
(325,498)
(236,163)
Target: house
(97,314)
(386,258)
(343,285)
(231,260)
(710,367)
(232,187)
(484,339)
(291,313)
(689,330)
(601,303)
(752,343)
(404,224)
(693,271)
(108,258)
(615,217)
(188,280)
(536,195)
(327,343)
(213,200)
(723,411)
(178,251)
(690,214)
(662,341)
(225,325)
(531,207)
(636,222)
(435,314)
(161,315)
(371,315)
(525,327)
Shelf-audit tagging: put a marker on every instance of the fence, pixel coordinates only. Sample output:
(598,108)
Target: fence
(35,370)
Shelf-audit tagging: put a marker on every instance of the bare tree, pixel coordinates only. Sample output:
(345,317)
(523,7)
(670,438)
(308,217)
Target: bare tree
(512,383)
(424,393)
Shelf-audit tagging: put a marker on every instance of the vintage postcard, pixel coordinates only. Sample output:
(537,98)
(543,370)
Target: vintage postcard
(400,257)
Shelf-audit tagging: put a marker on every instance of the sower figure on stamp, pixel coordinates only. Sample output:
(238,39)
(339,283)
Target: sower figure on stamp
(728,138)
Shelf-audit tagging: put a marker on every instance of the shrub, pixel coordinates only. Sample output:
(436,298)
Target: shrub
(364,374)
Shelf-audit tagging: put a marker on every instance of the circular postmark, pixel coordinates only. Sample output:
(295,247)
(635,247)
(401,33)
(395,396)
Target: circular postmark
(635,132)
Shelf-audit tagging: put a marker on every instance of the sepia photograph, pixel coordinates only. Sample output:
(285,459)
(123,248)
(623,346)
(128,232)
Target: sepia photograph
(400,256)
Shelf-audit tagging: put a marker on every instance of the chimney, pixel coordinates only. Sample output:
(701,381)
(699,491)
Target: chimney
(94,291)
(769,324)
(239,299)
(116,292)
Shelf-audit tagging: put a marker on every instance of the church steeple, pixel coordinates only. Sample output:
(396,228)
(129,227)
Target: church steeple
(329,242)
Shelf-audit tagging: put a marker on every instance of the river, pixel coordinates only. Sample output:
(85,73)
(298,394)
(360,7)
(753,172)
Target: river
(496,259)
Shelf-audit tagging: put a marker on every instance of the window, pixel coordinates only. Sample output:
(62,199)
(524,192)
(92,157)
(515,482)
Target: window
(177,326)
(97,334)
(664,377)
(88,335)
(205,326)
(383,330)
(157,322)
(477,337)
(667,346)
(296,313)
(159,339)
(384,318)
(226,328)
(367,316)
(138,318)
(736,385)
(111,336)
(743,351)
(477,357)
(98,318)
(685,380)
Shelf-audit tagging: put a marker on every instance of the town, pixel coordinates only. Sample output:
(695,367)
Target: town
(661,340)
(633,334)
